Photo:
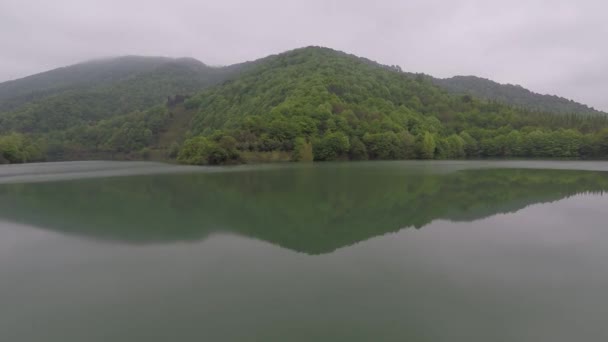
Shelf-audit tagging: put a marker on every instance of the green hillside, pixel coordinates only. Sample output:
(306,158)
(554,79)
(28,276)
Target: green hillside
(76,77)
(307,104)
(88,92)
(344,107)
(513,95)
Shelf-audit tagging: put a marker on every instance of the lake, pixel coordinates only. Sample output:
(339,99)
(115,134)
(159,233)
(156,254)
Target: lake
(384,251)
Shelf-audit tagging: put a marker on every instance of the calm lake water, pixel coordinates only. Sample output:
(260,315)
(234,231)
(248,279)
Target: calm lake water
(399,251)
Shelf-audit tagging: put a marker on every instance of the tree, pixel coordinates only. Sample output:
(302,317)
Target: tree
(228,144)
(331,147)
(471,148)
(383,146)
(173,150)
(203,151)
(426,146)
(455,147)
(18,148)
(602,143)
(358,151)
(302,150)
(407,145)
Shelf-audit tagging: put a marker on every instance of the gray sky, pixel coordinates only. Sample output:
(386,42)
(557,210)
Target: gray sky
(550,46)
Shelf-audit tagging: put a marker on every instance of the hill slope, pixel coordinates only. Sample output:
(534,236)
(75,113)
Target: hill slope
(79,76)
(310,103)
(513,95)
(348,107)
(88,92)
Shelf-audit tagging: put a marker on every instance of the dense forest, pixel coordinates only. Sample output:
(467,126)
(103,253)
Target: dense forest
(320,104)
(83,102)
(303,105)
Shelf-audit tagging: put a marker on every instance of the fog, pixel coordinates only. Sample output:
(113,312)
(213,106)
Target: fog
(556,47)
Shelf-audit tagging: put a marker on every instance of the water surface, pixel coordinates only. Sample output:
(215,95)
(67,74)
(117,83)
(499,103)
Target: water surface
(403,251)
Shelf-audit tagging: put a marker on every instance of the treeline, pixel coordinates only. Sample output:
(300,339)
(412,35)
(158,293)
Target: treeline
(129,136)
(222,148)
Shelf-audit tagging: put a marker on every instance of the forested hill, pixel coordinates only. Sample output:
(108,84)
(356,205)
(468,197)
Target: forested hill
(99,89)
(514,95)
(306,104)
(89,74)
(321,104)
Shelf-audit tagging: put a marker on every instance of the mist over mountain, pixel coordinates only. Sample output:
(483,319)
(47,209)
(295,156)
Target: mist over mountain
(99,89)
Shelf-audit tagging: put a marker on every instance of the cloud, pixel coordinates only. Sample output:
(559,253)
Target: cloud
(550,46)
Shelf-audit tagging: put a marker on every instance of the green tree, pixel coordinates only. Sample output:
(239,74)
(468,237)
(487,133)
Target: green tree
(455,147)
(601,142)
(358,151)
(203,151)
(383,146)
(18,148)
(471,148)
(302,150)
(331,147)
(426,146)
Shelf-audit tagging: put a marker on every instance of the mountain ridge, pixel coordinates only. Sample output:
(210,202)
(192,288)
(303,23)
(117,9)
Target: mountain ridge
(312,103)
(510,94)
(513,94)
(104,87)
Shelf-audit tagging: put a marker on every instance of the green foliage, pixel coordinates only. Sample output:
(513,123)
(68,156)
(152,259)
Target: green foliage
(383,113)
(311,103)
(382,145)
(512,95)
(220,149)
(455,147)
(426,146)
(303,150)
(195,151)
(173,150)
(123,134)
(86,93)
(331,146)
(358,151)
(471,147)
(18,148)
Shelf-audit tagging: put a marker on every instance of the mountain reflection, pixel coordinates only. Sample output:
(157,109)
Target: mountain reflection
(309,209)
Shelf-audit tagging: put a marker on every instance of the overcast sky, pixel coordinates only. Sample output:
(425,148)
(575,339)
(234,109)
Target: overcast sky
(550,46)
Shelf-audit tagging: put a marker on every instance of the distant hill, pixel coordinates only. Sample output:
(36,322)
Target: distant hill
(91,91)
(89,74)
(513,95)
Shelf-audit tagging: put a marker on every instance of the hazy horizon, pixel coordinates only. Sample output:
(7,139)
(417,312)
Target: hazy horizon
(541,45)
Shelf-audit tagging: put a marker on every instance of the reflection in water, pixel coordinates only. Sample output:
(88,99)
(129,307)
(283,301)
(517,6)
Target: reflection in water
(538,274)
(313,210)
